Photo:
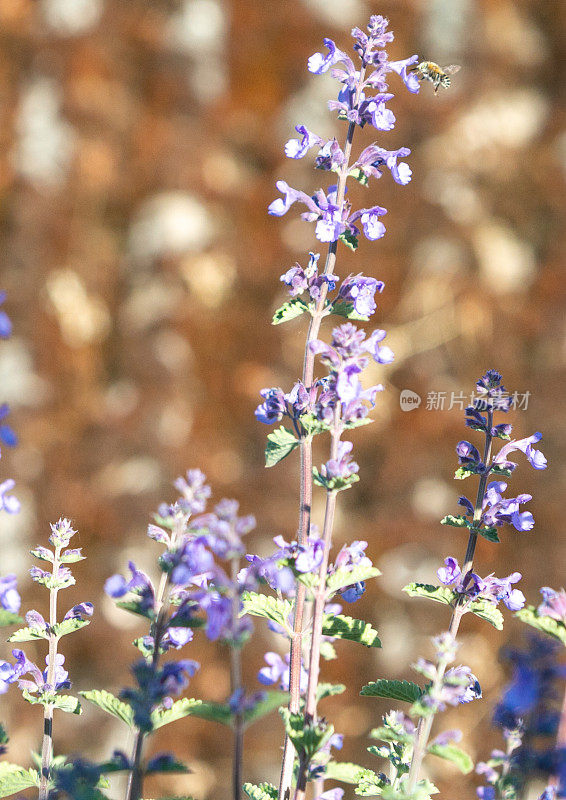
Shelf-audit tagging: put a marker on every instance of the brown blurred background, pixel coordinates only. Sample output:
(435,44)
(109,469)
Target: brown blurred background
(140,145)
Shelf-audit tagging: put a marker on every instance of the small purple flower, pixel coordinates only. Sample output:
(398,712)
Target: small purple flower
(342,466)
(277,672)
(8,675)
(80,611)
(8,502)
(450,573)
(360,291)
(7,435)
(298,149)
(468,455)
(194,490)
(320,63)
(5,323)
(139,584)
(10,599)
(409,78)
(535,458)
(553,604)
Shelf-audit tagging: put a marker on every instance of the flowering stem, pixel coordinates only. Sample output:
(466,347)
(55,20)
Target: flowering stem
(47,745)
(236,685)
(424,727)
(135,781)
(305,497)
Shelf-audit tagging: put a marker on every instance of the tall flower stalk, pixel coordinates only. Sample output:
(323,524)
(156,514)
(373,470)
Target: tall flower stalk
(335,221)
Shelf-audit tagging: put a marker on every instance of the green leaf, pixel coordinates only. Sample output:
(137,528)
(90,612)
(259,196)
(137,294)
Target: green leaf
(265,791)
(452,753)
(29,634)
(486,610)
(357,423)
(112,705)
(214,712)
(345,309)
(43,554)
(312,425)
(343,771)
(349,240)
(346,577)
(264,605)
(359,176)
(334,484)
(457,522)
(369,783)
(4,738)
(499,470)
(166,765)
(68,557)
(422,791)
(488,533)
(179,710)
(272,702)
(307,737)
(69,626)
(405,691)
(355,630)
(7,618)
(324,690)
(15,779)
(134,607)
(64,702)
(462,473)
(289,310)
(328,651)
(548,625)
(440,594)
(280,443)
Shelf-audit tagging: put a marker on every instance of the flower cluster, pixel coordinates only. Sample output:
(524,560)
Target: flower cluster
(470,586)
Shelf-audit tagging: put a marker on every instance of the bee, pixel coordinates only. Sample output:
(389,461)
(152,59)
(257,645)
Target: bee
(438,76)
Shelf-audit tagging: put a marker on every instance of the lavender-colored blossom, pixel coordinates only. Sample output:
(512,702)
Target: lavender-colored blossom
(80,611)
(277,672)
(61,532)
(8,675)
(139,584)
(7,435)
(280,578)
(305,557)
(8,502)
(553,604)
(341,467)
(10,599)
(360,291)
(535,458)
(320,63)
(409,78)
(194,490)
(373,159)
(39,679)
(298,149)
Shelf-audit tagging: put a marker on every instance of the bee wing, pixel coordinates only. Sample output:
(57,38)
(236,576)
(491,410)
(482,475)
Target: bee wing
(451,69)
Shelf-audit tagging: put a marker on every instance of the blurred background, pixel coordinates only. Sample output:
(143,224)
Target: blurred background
(140,146)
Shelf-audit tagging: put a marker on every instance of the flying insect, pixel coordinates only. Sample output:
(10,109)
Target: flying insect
(438,76)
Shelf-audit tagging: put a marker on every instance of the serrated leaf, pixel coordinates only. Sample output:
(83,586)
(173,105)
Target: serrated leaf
(548,625)
(69,626)
(387,734)
(369,783)
(343,771)
(324,690)
(440,594)
(179,710)
(15,779)
(349,240)
(346,577)
(404,691)
(111,704)
(486,610)
(345,309)
(265,791)
(358,423)
(452,753)
(307,737)
(280,443)
(499,470)
(270,703)
(7,618)
(166,764)
(312,425)
(354,630)
(29,634)
(459,521)
(289,310)
(64,702)
(267,606)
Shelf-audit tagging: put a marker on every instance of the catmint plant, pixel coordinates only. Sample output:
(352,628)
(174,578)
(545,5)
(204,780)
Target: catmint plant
(461,588)
(337,401)
(44,686)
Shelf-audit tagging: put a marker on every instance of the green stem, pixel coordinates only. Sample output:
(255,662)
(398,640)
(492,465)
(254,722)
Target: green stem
(47,745)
